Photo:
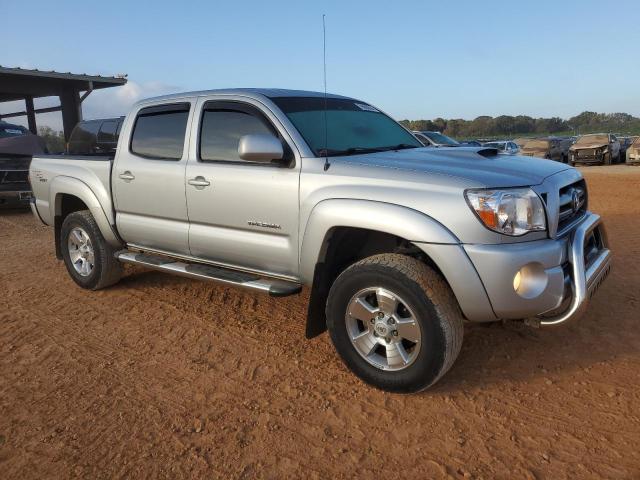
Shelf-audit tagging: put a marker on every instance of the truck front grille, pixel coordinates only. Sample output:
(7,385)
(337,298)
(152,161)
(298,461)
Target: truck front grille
(586,153)
(572,205)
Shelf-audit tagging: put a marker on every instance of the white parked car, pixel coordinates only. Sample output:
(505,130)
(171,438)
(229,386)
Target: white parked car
(504,147)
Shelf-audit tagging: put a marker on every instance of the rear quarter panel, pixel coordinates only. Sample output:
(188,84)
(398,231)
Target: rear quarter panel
(52,175)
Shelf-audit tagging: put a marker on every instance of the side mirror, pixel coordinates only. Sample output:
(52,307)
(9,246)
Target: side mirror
(260,148)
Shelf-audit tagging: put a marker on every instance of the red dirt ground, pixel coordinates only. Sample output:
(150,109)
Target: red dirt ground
(163,377)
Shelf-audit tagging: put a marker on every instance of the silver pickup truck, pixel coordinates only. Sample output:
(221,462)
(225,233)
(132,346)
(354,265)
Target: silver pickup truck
(271,190)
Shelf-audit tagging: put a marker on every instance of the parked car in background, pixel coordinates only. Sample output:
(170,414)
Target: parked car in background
(552,148)
(95,137)
(17,145)
(504,147)
(633,152)
(399,244)
(435,139)
(595,149)
(625,142)
(470,143)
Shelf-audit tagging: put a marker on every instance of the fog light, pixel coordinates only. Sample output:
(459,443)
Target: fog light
(531,280)
(516,281)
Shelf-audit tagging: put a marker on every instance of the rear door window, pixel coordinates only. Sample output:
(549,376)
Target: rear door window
(159,131)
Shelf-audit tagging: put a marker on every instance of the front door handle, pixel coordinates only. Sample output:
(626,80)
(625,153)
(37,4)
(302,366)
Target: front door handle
(199,182)
(127,176)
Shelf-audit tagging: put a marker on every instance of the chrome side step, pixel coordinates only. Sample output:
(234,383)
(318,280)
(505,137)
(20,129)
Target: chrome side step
(199,271)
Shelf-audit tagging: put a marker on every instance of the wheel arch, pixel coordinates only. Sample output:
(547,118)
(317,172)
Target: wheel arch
(361,228)
(69,195)
(329,215)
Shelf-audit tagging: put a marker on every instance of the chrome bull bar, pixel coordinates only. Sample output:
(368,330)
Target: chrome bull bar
(585,279)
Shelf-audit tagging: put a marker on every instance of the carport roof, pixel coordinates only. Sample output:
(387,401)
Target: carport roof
(16,83)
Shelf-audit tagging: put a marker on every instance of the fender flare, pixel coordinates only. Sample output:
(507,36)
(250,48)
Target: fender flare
(403,222)
(63,185)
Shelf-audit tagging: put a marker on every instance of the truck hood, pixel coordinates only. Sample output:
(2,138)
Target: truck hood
(480,166)
(584,146)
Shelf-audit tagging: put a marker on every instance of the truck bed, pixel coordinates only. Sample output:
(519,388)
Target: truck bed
(48,172)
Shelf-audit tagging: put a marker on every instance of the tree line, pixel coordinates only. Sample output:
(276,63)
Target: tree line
(512,126)
(54,140)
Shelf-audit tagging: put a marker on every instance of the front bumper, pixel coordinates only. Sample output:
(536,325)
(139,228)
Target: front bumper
(590,260)
(555,276)
(597,160)
(587,158)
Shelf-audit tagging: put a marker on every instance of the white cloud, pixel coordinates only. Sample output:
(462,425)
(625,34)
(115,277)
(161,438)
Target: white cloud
(113,102)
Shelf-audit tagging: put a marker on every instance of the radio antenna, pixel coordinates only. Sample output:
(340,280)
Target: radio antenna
(326,123)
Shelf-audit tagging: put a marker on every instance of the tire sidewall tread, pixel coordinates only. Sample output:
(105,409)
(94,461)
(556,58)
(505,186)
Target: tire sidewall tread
(107,269)
(432,301)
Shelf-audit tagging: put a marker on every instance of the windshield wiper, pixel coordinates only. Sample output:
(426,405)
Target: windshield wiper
(360,150)
(400,146)
(348,151)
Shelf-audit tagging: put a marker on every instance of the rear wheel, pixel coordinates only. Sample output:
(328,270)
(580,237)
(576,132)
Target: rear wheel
(394,322)
(88,257)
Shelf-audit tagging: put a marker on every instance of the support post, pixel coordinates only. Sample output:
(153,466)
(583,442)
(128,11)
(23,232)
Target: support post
(71,111)
(31,115)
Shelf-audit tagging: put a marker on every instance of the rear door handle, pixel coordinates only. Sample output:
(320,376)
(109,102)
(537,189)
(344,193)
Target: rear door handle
(199,182)
(127,176)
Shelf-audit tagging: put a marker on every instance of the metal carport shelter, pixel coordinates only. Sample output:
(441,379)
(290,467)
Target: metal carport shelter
(23,84)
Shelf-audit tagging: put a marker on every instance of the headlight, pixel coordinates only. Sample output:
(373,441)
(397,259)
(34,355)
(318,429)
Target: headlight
(513,211)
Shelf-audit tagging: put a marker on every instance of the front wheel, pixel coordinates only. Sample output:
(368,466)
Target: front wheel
(394,322)
(88,257)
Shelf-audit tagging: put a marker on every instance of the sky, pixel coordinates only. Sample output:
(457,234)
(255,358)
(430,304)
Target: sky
(412,59)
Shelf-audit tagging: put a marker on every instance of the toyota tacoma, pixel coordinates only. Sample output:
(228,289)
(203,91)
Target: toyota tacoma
(271,190)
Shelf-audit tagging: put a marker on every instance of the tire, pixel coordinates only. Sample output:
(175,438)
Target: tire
(95,265)
(423,295)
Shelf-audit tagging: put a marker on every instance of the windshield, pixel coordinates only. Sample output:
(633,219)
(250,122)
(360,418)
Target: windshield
(587,139)
(440,139)
(636,142)
(353,127)
(499,146)
(537,144)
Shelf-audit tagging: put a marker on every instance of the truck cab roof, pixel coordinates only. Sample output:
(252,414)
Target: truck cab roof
(248,92)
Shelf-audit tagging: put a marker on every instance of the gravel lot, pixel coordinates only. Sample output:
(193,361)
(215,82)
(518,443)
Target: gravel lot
(164,377)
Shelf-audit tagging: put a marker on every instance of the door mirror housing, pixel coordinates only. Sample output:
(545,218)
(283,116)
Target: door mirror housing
(260,148)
